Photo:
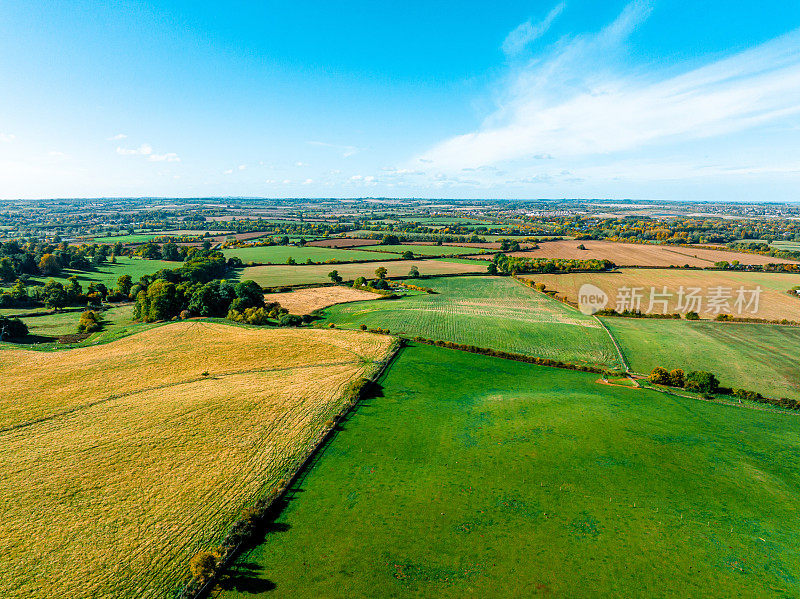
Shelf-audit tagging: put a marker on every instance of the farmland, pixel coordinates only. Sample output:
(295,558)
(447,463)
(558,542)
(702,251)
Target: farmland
(279,254)
(638,254)
(46,327)
(426,250)
(129,473)
(752,356)
(273,276)
(473,476)
(305,301)
(774,302)
(493,312)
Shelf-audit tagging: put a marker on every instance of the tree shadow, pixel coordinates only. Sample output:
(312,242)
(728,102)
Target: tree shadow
(246,578)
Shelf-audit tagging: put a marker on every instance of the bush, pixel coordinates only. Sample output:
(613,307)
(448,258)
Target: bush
(701,381)
(290,320)
(89,322)
(204,564)
(660,376)
(692,316)
(12,328)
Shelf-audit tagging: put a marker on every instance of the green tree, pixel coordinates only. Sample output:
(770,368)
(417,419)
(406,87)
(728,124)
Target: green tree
(124,284)
(701,381)
(390,240)
(677,378)
(381,272)
(414,272)
(335,277)
(360,282)
(54,295)
(162,301)
(408,255)
(170,252)
(203,564)
(49,265)
(659,376)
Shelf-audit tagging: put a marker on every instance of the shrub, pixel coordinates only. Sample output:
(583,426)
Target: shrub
(204,564)
(12,328)
(692,316)
(701,381)
(660,376)
(89,322)
(677,378)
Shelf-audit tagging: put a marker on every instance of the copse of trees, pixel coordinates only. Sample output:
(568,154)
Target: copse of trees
(511,265)
(89,322)
(12,328)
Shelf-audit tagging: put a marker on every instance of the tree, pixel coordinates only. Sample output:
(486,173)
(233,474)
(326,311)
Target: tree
(7,272)
(390,240)
(170,252)
(692,316)
(701,381)
(492,268)
(73,289)
(49,265)
(408,255)
(414,272)
(360,282)
(54,295)
(335,277)
(249,294)
(677,378)
(12,328)
(290,320)
(162,301)
(124,284)
(203,564)
(89,322)
(659,376)
(380,272)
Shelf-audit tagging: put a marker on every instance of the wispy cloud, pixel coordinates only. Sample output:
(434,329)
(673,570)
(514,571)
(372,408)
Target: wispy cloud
(530,31)
(168,157)
(574,104)
(117,137)
(7,138)
(142,150)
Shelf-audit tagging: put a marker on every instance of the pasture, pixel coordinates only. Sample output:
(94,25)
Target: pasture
(275,276)
(639,254)
(111,483)
(494,312)
(760,357)
(279,254)
(773,304)
(471,476)
(47,326)
(305,301)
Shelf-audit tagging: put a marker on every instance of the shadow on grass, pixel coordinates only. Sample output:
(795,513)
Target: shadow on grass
(246,578)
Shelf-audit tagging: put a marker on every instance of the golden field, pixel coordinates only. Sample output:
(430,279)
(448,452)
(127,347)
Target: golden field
(119,462)
(305,301)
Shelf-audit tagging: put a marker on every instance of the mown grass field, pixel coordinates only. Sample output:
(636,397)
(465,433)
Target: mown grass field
(109,273)
(472,476)
(119,462)
(274,276)
(49,326)
(774,302)
(495,312)
(426,250)
(305,301)
(279,254)
(759,357)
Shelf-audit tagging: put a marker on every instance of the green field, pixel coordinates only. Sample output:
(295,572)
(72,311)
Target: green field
(279,254)
(759,357)
(46,328)
(495,312)
(109,273)
(427,250)
(273,276)
(470,476)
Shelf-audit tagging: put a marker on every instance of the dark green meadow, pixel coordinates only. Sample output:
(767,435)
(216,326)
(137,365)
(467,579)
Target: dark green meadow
(467,475)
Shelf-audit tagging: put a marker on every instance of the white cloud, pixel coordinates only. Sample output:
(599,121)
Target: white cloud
(7,138)
(308,181)
(228,172)
(529,32)
(242,167)
(117,137)
(168,157)
(573,105)
(300,164)
(346,151)
(142,150)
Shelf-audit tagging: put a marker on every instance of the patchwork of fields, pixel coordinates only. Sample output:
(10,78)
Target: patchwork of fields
(474,476)
(637,254)
(495,312)
(759,357)
(274,276)
(774,303)
(110,483)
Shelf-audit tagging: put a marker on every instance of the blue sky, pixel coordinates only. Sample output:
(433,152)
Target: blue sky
(661,99)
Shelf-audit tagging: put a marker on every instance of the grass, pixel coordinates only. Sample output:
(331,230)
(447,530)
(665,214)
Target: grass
(117,480)
(279,254)
(751,356)
(274,276)
(109,273)
(472,476)
(774,302)
(426,250)
(45,329)
(495,312)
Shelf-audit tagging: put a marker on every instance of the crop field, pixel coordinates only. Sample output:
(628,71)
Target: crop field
(495,312)
(635,254)
(426,250)
(47,327)
(472,476)
(343,242)
(279,254)
(305,301)
(760,357)
(111,483)
(773,301)
(274,276)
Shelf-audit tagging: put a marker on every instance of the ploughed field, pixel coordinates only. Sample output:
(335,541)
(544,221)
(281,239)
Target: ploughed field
(774,301)
(471,476)
(640,254)
(278,275)
(493,312)
(757,357)
(118,462)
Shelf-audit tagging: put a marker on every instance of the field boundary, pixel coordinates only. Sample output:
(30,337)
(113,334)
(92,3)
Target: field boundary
(267,505)
(616,344)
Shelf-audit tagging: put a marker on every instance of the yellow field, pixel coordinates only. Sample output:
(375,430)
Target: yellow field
(119,462)
(305,301)
(774,303)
